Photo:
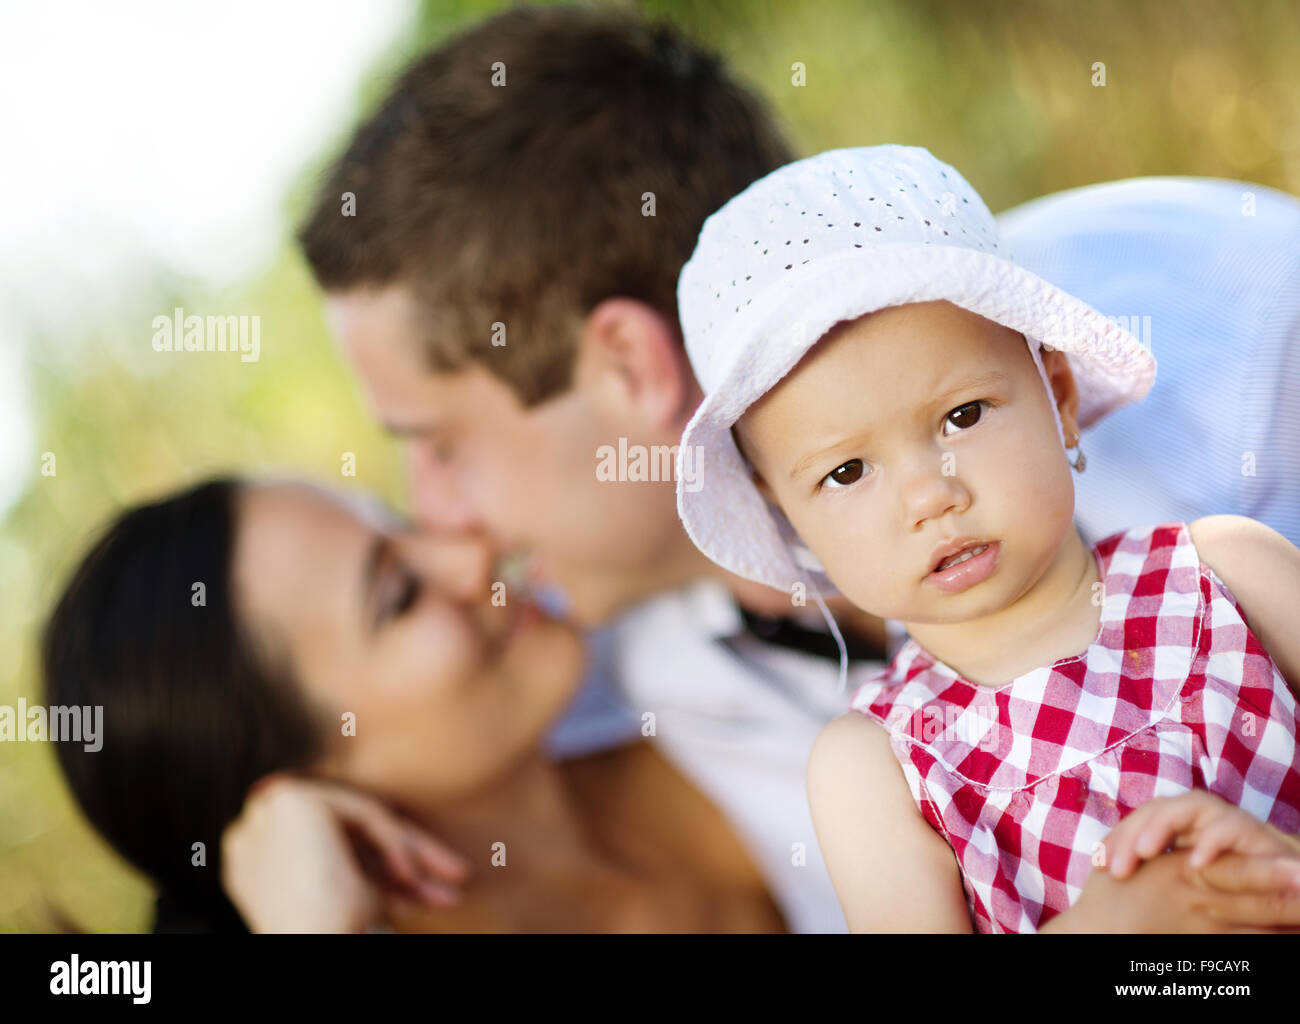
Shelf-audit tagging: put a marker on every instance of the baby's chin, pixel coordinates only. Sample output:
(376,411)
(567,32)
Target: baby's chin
(931,609)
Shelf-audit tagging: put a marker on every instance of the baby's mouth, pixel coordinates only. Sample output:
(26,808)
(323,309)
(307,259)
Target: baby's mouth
(964,555)
(964,568)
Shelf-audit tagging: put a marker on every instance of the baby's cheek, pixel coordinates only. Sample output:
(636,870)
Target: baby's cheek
(1047,488)
(869,578)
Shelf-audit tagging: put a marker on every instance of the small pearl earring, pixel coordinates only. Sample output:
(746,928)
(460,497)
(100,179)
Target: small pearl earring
(1081,462)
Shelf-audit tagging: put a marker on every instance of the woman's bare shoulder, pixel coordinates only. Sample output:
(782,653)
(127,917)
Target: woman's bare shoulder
(641,803)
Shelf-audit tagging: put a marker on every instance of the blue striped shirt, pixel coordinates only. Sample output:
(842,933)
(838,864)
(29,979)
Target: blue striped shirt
(1207,273)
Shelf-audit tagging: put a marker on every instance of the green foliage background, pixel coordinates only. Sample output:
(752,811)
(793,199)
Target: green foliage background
(1001,90)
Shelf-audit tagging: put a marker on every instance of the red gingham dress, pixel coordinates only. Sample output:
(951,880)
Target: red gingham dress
(1025,780)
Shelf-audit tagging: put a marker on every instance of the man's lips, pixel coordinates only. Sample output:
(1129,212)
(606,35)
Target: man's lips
(526,616)
(515,571)
(503,625)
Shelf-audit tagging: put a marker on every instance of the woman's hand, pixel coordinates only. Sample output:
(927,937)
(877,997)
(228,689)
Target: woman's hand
(1203,821)
(312,856)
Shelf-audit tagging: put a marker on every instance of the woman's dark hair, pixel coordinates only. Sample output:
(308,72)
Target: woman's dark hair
(193,710)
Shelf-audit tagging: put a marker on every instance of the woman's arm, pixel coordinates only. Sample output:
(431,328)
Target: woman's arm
(289,862)
(891,870)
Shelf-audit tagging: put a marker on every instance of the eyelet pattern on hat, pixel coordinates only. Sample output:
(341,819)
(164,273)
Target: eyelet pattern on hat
(859,206)
(831,238)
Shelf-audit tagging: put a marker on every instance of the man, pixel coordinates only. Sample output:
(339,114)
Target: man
(507,296)
(524,200)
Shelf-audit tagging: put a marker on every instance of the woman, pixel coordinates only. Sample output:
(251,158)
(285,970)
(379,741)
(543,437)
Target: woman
(241,631)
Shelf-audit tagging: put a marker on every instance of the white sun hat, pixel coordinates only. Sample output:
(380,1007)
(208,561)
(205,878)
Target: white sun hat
(828,239)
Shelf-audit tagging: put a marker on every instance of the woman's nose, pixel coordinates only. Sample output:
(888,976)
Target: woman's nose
(459,566)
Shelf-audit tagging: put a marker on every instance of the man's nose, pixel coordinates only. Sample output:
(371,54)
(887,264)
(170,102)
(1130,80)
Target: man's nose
(458,566)
(932,489)
(436,503)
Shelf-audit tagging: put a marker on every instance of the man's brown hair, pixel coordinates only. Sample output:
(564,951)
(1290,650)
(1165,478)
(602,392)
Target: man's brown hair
(522,203)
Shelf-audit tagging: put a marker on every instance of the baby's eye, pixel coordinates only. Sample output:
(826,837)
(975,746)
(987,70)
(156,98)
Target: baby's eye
(849,473)
(963,417)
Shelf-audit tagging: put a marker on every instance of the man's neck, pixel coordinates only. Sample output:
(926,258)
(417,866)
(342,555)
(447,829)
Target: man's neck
(686,565)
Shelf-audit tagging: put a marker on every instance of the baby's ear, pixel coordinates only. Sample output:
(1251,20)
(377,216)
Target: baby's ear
(1057,368)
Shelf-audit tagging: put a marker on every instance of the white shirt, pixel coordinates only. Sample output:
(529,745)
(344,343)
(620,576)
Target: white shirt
(738,716)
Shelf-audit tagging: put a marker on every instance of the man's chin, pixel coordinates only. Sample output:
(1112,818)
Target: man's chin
(591,602)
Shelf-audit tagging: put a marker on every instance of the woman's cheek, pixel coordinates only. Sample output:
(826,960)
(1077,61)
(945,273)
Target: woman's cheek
(443,648)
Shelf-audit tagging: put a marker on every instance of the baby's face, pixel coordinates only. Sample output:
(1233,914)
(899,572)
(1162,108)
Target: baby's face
(906,431)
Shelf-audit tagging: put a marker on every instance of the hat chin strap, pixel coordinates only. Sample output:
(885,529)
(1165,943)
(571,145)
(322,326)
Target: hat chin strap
(835,632)
(1035,349)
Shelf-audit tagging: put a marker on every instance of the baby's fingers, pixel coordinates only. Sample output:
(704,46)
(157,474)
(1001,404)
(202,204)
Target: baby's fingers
(1149,829)
(1230,832)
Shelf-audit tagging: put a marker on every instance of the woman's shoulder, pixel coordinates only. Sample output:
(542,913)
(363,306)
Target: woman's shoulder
(643,807)
(638,801)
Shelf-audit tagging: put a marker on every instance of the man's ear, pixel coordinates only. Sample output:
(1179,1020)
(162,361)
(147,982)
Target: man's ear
(634,357)
(1061,377)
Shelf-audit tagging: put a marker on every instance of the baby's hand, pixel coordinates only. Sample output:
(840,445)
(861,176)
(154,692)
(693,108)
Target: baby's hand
(1206,822)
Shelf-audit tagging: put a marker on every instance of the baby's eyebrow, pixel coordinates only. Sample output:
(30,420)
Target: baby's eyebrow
(980,380)
(802,465)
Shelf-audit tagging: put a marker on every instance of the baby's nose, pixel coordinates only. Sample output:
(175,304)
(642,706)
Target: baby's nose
(930,492)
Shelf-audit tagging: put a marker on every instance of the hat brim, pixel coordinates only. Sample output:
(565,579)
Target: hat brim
(726,517)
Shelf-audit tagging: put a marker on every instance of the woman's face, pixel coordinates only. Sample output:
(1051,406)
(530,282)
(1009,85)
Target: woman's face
(433,681)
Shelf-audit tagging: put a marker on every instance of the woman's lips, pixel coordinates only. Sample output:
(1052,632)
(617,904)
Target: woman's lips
(963,575)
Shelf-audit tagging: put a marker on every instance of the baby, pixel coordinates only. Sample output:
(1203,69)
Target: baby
(890,404)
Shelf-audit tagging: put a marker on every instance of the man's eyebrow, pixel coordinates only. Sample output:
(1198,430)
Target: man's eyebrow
(412,429)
